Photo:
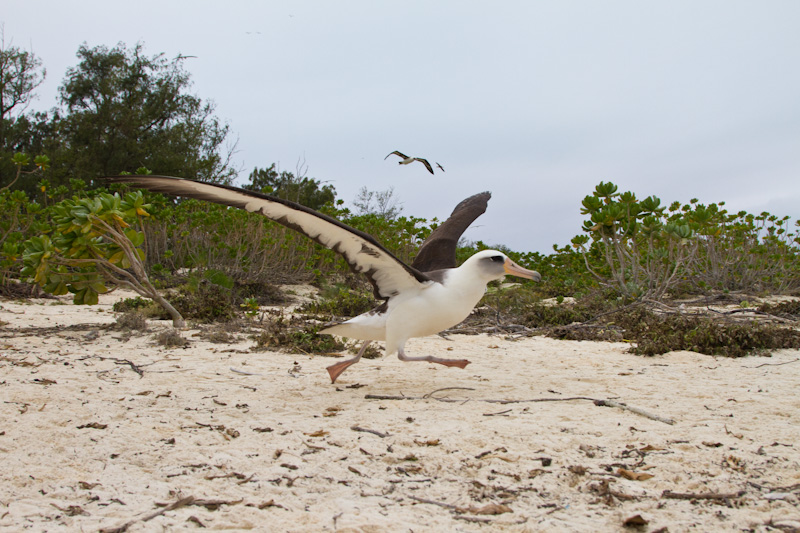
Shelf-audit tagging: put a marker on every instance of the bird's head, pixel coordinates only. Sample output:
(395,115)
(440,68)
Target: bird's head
(491,265)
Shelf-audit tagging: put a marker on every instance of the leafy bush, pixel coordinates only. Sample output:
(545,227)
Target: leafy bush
(297,336)
(95,242)
(789,310)
(208,303)
(22,218)
(643,250)
(741,251)
(130,304)
(132,320)
(654,333)
(340,301)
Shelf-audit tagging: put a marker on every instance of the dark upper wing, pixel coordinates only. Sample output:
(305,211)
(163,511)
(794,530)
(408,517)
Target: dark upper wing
(425,162)
(439,249)
(362,252)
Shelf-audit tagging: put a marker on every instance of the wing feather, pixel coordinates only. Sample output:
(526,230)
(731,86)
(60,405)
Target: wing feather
(425,162)
(439,249)
(360,250)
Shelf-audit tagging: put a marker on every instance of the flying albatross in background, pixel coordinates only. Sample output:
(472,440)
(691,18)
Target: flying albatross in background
(408,160)
(420,299)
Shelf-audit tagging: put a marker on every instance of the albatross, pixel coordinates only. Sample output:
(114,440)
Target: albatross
(420,299)
(406,160)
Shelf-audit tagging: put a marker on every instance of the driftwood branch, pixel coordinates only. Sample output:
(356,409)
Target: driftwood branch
(174,505)
(596,401)
(642,412)
(776,364)
(702,495)
(374,432)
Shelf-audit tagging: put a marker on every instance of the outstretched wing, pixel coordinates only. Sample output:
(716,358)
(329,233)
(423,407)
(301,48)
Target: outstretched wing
(425,162)
(439,249)
(362,252)
(404,156)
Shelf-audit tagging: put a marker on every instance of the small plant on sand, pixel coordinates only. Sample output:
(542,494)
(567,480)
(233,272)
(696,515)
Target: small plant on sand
(250,307)
(294,335)
(132,320)
(171,338)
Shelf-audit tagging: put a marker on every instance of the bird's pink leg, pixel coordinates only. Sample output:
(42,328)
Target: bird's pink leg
(336,370)
(460,363)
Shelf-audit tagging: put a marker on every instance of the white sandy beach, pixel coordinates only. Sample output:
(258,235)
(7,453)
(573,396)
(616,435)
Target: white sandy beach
(101,431)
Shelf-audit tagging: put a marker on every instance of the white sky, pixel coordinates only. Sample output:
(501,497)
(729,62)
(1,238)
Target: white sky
(535,101)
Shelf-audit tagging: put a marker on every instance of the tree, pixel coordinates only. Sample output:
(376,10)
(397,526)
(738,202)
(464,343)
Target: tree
(381,203)
(123,110)
(20,75)
(297,188)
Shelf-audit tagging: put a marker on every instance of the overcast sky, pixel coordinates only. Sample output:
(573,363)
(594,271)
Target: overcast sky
(534,101)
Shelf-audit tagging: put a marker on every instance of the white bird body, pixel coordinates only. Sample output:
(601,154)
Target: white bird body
(430,308)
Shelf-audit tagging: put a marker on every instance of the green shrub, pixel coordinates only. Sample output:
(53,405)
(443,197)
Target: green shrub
(132,320)
(206,302)
(340,301)
(171,338)
(294,335)
(130,304)
(95,242)
(653,333)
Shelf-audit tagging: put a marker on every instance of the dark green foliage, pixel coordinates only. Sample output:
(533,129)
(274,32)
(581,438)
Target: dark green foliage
(306,191)
(789,310)
(295,336)
(252,249)
(642,250)
(21,219)
(648,251)
(542,315)
(125,110)
(401,235)
(340,301)
(21,73)
(206,303)
(265,293)
(131,304)
(654,333)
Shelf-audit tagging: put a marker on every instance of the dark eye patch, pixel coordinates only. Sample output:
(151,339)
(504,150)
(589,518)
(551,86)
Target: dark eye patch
(498,259)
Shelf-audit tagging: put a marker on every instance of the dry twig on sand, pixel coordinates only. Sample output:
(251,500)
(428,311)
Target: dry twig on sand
(374,432)
(174,505)
(596,401)
(701,496)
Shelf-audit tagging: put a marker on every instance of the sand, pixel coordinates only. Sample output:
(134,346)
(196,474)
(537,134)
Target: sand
(105,431)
